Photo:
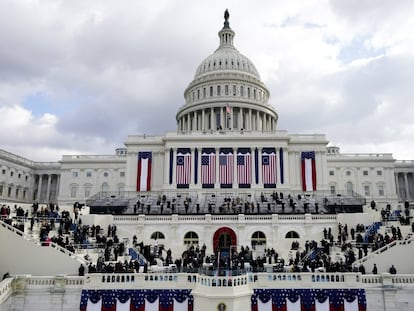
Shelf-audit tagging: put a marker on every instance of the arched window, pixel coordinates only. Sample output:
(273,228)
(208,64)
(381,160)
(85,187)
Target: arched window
(218,90)
(211,91)
(157,235)
(191,238)
(292,235)
(226,90)
(241,90)
(258,238)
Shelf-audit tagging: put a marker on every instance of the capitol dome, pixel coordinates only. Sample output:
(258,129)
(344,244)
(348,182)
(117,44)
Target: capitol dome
(226,93)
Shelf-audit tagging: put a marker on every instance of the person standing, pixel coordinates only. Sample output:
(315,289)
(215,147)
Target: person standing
(375,269)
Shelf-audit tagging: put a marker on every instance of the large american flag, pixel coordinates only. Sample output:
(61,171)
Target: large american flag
(226,166)
(244,166)
(269,166)
(309,300)
(208,166)
(183,166)
(138,300)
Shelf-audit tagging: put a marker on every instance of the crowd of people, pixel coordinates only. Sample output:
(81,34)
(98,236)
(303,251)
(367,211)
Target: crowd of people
(354,242)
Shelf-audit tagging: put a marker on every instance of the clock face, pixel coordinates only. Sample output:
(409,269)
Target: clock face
(221,307)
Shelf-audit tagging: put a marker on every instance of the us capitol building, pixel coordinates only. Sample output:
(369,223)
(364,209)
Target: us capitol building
(226,177)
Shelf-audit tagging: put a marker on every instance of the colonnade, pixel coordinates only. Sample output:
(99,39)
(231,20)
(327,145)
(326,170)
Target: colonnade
(227,118)
(46,188)
(405,186)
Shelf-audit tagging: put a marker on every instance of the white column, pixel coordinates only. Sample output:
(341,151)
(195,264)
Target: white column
(407,190)
(240,123)
(212,119)
(203,116)
(49,180)
(249,126)
(57,187)
(39,188)
(222,124)
(188,122)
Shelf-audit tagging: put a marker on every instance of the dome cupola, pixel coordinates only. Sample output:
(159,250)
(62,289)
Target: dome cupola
(226,93)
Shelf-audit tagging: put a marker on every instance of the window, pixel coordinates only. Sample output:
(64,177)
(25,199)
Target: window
(74,174)
(104,189)
(19,175)
(292,235)
(333,189)
(331,173)
(349,188)
(258,238)
(105,174)
(348,173)
(17,193)
(248,92)
(11,174)
(234,90)
(191,238)
(226,90)
(157,235)
(367,190)
(88,174)
(379,173)
(381,190)
(121,174)
(73,190)
(241,91)
(218,90)
(365,173)
(3,171)
(24,194)
(88,191)
(26,178)
(198,94)
(204,93)
(121,190)
(211,91)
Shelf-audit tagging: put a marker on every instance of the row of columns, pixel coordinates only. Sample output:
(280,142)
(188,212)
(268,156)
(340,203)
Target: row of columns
(40,188)
(247,119)
(235,181)
(405,186)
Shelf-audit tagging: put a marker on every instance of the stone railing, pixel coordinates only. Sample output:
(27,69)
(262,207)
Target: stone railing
(214,218)
(383,249)
(192,280)
(44,244)
(6,289)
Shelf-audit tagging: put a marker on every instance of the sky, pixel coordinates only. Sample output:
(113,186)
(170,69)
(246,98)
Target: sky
(78,77)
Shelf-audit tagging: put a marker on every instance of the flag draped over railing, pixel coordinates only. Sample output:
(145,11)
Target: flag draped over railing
(136,300)
(309,300)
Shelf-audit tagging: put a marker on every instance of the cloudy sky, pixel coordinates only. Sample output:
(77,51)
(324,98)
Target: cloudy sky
(77,77)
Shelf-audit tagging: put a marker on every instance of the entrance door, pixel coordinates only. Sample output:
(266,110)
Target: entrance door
(224,239)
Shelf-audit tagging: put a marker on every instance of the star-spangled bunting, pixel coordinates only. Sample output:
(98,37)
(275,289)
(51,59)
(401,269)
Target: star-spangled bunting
(138,298)
(310,299)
